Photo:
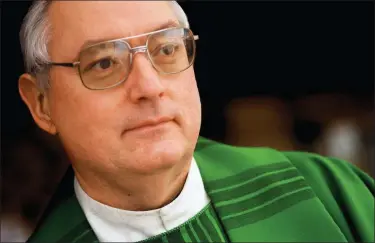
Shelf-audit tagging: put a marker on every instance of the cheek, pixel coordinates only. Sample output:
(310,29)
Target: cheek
(188,91)
(187,95)
(76,108)
(184,86)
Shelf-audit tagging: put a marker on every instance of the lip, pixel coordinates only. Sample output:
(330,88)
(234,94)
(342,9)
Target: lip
(149,124)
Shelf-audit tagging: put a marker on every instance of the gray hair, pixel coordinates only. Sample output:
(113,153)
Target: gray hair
(34,38)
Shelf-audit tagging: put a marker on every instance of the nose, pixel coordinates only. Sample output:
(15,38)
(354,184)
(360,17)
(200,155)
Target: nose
(144,81)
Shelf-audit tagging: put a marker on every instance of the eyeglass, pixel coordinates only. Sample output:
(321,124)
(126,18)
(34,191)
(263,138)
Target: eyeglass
(107,64)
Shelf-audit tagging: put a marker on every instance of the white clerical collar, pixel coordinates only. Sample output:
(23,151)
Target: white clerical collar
(117,225)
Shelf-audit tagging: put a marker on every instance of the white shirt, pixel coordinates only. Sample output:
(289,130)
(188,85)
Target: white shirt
(117,225)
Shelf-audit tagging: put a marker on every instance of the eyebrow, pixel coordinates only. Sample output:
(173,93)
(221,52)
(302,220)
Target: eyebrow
(169,24)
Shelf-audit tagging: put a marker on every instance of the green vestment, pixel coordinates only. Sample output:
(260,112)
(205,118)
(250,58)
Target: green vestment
(257,195)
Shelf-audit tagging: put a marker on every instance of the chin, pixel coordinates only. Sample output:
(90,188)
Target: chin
(150,156)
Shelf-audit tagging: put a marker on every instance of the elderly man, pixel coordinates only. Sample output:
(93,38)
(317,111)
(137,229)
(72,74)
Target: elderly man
(114,81)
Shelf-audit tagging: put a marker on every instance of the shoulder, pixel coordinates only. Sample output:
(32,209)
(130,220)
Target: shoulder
(325,174)
(58,223)
(346,192)
(63,218)
(335,177)
(329,170)
(221,151)
(314,167)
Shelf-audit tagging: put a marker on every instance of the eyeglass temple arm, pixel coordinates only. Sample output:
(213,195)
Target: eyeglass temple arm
(64,64)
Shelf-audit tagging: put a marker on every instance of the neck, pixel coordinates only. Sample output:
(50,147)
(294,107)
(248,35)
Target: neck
(135,192)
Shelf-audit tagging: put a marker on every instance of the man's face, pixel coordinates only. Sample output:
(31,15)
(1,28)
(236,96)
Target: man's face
(96,125)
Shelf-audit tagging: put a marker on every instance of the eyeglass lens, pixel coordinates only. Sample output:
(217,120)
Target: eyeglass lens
(108,64)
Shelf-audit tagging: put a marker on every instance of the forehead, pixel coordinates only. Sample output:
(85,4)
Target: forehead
(75,22)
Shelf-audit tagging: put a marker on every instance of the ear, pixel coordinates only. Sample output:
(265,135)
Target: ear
(37,102)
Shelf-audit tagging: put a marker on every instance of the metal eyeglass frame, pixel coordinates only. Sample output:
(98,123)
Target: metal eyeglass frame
(133,51)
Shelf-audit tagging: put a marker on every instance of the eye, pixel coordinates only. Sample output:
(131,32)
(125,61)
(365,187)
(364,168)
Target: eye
(166,49)
(102,64)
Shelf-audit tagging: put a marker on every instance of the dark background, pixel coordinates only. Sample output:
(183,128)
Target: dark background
(294,65)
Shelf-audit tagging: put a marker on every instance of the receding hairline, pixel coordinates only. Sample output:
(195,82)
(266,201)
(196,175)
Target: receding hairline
(35,36)
(167,23)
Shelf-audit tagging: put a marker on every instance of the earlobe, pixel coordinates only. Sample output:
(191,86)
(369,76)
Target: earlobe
(37,102)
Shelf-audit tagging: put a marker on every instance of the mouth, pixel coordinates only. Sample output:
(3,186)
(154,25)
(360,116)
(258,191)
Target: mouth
(149,125)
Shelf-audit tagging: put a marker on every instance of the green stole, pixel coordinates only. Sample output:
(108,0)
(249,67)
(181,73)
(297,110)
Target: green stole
(257,195)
